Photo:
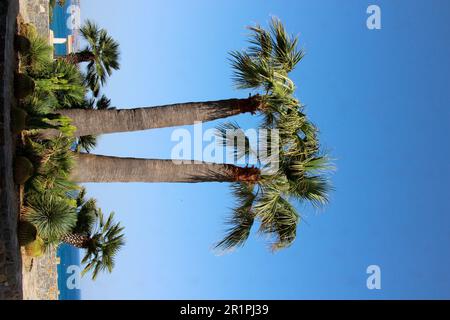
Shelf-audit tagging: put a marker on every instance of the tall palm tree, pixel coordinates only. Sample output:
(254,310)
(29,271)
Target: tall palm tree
(101,237)
(265,197)
(101,54)
(264,67)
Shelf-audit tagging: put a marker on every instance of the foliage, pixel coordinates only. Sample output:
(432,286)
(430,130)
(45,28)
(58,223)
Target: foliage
(23,169)
(52,215)
(105,52)
(53,162)
(55,207)
(18,119)
(23,85)
(104,237)
(27,233)
(302,167)
(106,240)
(38,56)
(62,82)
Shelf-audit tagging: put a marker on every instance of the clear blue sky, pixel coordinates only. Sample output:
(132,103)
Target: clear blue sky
(381,99)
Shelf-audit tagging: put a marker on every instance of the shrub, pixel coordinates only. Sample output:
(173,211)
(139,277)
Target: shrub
(39,54)
(23,169)
(23,85)
(52,215)
(18,119)
(27,233)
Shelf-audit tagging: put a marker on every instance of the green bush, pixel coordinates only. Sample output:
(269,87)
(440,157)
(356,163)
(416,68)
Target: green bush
(23,169)
(27,233)
(18,119)
(38,55)
(23,85)
(52,215)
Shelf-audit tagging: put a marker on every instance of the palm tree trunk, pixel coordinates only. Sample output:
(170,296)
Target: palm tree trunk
(76,240)
(95,122)
(96,168)
(79,57)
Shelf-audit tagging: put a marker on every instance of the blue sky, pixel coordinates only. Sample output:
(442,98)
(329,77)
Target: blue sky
(381,99)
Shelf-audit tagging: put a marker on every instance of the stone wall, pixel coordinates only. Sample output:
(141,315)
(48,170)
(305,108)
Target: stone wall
(10,259)
(40,277)
(38,15)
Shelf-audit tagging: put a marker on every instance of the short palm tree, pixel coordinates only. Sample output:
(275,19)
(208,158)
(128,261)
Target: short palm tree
(101,54)
(52,215)
(100,236)
(39,54)
(53,162)
(264,67)
(61,82)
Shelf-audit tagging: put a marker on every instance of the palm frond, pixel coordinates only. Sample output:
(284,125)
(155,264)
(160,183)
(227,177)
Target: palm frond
(106,55)
(106,241)
(52,215)
(314,189)
(231,136)
(261,43)
(241,221)
(285,46)
(86,143)
(248,72)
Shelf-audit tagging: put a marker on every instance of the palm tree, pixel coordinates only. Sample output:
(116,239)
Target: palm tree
(265,197)
(264,67)
(38,55)
(52,215)
(100,236)
(101,54)
(60,82)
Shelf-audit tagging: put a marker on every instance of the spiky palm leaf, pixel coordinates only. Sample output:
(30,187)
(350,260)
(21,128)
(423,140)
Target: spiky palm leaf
(314,189)
(87,213)
(242,218)
(301,176)
(54,161)
(105,52)
(62,81)
(271,56)
(86,143)
(52,215)
(38,56)
(285,46)
(231,136)
(104,239)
